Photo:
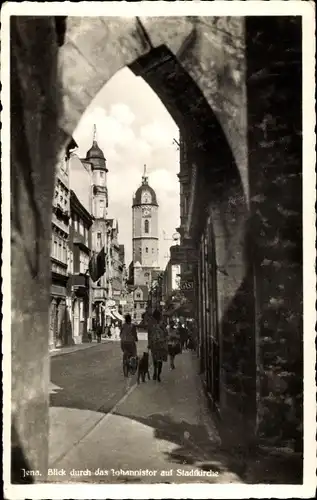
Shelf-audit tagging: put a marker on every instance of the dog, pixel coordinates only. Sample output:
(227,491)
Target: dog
(143,368)
(133,364)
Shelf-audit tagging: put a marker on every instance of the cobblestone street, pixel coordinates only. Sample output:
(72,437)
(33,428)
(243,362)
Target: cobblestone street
(101,422)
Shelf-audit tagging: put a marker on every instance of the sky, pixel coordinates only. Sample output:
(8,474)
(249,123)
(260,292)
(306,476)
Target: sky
(134,128)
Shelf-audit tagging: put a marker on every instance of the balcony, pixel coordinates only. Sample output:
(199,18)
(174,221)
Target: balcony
(79,280)
(61,213)
(79,240)
(79,284)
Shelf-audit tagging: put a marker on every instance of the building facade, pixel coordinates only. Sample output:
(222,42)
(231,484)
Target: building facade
(145,240)
(107,267)
(60,305)
(140,302)
(79,284)
(100,228)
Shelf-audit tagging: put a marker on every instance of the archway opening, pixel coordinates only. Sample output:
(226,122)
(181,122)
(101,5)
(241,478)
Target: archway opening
(209,156)
(219,202)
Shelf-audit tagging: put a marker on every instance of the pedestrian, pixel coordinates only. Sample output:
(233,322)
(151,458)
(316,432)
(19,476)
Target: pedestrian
(157,343)
(112,330)
(191,344)
(174,343)
(117,331)
(99,332)
(183,333)
(128,337)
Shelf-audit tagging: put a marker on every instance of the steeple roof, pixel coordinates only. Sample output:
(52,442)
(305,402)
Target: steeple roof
(95,152)
(95,155)
(137,199)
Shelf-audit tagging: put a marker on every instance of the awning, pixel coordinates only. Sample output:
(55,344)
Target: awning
(118,315)
(108,312)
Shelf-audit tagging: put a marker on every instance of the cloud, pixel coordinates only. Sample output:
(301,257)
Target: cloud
(159,134)
(163,180)
(133,129)
(122,113)
(113,129)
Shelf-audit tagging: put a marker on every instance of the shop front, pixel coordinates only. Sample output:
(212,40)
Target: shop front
(79,288)
(209,345)
(58,316)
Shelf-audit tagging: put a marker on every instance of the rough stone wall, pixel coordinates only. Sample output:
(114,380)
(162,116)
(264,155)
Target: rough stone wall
(35,140)
(275,161)
(95,49)
(211,50)
(220,193)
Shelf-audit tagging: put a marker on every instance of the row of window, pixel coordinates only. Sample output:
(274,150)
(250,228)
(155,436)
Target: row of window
(59,248)
(140,305)
(83,262)
(61,194)
(61,252)
(58,269)
(146,250)
(80,227)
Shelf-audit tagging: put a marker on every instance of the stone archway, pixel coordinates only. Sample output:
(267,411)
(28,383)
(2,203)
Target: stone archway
(47,101)
(197,69)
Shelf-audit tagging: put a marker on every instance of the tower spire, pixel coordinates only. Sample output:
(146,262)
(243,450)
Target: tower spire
(95,133)
(145,177)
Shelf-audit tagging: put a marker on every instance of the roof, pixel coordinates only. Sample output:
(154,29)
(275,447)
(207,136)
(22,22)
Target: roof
(96,157)
(144,290)
(95,152)
(137,199)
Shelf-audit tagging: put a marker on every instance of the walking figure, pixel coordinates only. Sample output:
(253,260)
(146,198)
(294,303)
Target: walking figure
(129,338)
(157,340)
(174,344)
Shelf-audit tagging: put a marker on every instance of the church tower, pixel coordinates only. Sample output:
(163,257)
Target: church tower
(99,205)
(145,234)
(99,170)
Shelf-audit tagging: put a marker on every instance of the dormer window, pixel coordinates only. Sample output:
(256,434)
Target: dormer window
(146,197)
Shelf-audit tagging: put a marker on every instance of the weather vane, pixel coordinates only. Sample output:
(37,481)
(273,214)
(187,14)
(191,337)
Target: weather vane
(144,178)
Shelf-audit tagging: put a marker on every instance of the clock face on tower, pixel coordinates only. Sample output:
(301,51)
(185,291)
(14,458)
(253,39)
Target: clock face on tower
(146,197)
(146,211)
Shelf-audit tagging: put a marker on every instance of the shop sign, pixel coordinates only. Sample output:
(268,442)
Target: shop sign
(110,303)
(187,285)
